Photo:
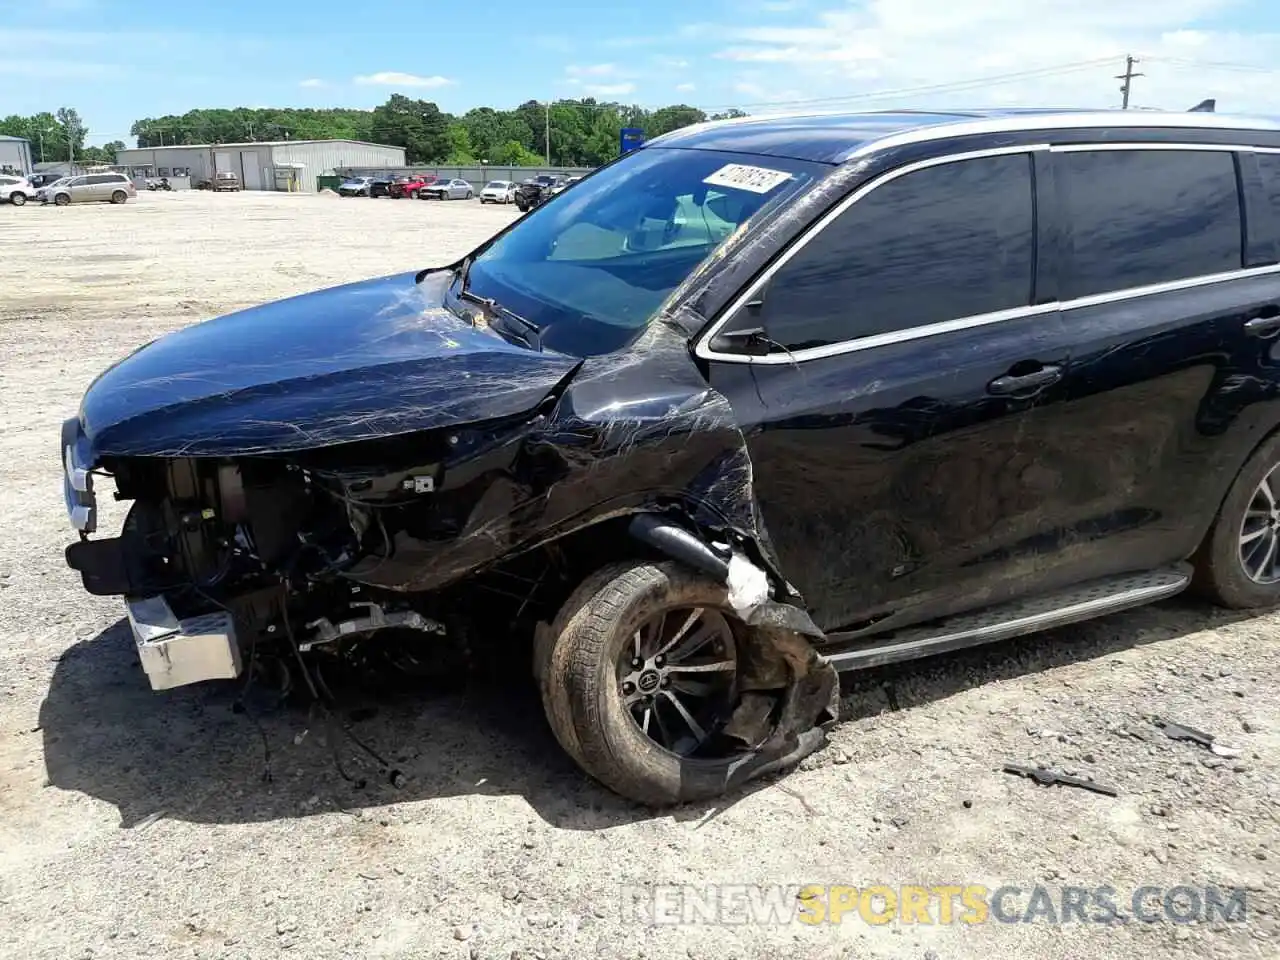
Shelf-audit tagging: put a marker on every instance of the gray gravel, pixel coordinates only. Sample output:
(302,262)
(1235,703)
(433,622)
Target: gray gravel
(136,824)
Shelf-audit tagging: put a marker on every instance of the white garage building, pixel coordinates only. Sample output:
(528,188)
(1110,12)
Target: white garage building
(272,165)
(15,153)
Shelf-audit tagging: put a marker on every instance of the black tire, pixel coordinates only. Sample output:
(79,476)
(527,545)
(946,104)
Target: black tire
(17,199)
(119,196)
(469,195)
(61,199)
(1220,572)
(580,686)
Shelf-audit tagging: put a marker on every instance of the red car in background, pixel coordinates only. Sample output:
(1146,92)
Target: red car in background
(411,186)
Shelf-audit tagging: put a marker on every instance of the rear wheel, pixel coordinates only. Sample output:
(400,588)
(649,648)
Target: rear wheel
(119,196)
(639,678)
(1238,565)
(17,199)
(469,195)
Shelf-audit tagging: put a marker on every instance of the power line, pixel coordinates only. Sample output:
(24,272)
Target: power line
(1211,65)
(951,86)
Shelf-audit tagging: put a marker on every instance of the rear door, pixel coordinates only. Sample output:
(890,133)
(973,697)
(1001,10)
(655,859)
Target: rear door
(904,418)
(1162,276)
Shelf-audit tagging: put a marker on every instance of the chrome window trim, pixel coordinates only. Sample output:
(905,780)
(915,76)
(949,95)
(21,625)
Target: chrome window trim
(703,351)
(1000,123)
(1031,123)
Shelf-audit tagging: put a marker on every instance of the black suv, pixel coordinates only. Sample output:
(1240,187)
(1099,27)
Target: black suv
(537,190)
(768,400)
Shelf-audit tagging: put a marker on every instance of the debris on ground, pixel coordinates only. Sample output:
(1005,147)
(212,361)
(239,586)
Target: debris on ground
(1048,778)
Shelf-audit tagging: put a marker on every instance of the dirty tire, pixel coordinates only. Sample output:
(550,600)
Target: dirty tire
(580,687)
(119,197)
(1219,573)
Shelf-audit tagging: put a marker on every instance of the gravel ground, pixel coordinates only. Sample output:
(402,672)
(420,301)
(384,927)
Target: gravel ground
(137,824)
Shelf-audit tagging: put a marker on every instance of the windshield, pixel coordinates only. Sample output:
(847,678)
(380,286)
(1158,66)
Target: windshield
(592,266)
(495,184)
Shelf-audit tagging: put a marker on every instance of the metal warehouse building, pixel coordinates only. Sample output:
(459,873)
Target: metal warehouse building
(273,165)
(15,153)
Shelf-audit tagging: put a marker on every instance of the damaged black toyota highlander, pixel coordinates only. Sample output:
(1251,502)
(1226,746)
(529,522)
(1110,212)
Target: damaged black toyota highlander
(759,401)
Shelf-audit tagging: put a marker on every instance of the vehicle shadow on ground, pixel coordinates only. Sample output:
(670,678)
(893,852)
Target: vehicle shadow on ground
(188,754)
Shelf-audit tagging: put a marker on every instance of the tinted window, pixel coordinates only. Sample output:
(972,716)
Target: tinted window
(1269,164)
(950,241)
(1149,216)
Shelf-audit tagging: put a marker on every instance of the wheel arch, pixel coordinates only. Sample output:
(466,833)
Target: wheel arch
(1223,489)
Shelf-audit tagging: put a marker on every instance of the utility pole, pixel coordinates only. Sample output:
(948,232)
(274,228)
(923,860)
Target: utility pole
(1127,77)
(547,137)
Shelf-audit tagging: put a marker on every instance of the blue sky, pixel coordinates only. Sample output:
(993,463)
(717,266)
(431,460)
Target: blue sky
(117,61)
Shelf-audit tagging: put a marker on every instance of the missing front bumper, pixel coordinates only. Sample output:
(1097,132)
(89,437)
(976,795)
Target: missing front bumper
(176,652)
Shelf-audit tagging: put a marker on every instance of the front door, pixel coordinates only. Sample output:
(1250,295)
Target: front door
(902,403)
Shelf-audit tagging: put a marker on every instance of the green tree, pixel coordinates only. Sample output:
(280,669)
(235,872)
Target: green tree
(515,154)
(460,149)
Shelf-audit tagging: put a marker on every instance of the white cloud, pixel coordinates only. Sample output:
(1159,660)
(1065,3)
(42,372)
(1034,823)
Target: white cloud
(686,87)
(608,89)
(592,70)
(671,63)
(312,83)
(390,78)
(941,52)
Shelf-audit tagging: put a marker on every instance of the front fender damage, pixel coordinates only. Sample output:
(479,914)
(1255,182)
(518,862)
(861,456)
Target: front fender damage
(641,435)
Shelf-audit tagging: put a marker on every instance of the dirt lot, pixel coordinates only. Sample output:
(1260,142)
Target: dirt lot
(135,824)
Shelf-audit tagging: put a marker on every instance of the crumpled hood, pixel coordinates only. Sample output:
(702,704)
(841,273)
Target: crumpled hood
(355,362)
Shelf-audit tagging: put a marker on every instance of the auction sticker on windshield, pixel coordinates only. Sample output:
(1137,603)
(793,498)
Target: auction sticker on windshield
(742,176)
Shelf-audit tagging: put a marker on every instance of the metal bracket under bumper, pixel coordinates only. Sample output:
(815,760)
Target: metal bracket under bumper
(177,652)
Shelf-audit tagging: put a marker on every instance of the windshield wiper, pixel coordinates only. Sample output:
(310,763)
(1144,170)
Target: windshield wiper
(495,309)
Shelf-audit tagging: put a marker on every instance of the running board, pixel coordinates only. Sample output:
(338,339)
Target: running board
(1082,602)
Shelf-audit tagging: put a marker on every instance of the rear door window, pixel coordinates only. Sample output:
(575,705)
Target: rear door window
(941,243)
(1141,217)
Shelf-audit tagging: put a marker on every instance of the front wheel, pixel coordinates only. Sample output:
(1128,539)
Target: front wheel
(639,677)
(1238,565)
(61,200)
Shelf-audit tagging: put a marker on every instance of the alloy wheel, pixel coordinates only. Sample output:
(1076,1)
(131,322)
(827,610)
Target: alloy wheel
(1260,533)
(677,677)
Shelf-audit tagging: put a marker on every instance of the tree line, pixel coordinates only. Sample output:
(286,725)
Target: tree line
(582,133)
(58,136)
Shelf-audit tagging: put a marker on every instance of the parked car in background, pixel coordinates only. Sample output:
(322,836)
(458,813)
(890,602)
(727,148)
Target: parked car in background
(89,188)
(16,190)
(448,190)
(366,186)
(355,187)
(410,187)
(564,185)
(226,180)
(498,191)
(536,190)
(38,180)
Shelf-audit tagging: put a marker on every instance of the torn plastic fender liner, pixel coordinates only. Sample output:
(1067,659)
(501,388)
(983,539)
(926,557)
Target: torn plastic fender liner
(748,585)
